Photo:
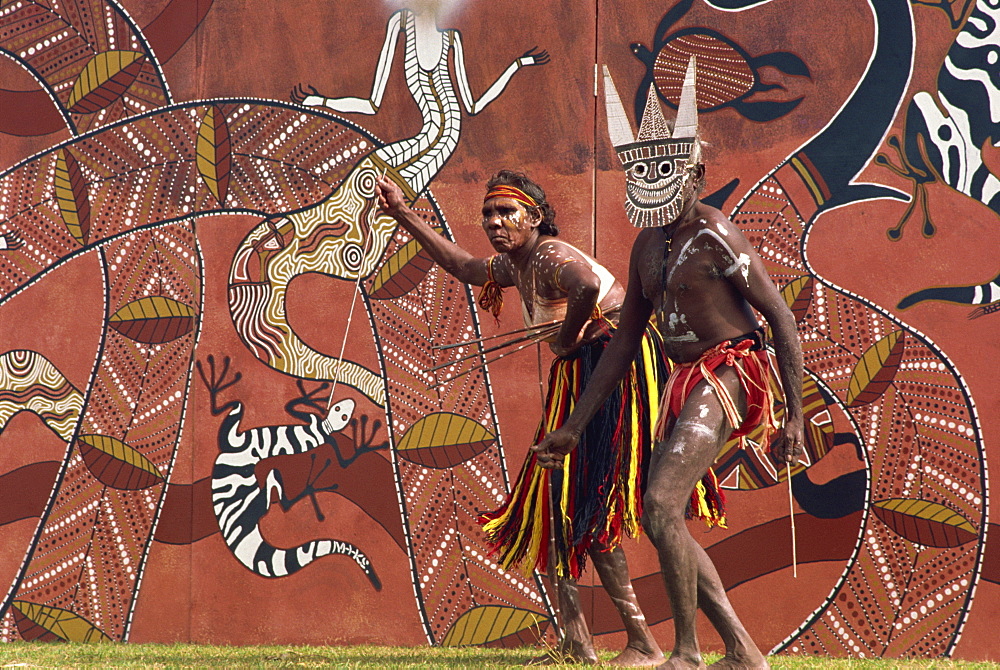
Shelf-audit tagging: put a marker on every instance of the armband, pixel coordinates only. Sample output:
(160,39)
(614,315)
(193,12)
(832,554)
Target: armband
(491,295)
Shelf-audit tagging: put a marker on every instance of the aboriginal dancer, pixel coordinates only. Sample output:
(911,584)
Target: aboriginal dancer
(554,519)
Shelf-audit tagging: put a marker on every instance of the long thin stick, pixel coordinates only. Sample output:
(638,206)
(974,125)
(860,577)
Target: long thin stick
(553,568)
(538,326)
(791,515)
(541,384)
(503,345)
(481,365)
(350,312)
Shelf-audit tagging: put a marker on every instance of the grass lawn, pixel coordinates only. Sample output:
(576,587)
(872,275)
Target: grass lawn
(53,655)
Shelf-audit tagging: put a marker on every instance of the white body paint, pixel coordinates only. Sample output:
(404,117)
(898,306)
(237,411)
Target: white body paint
(689,336)
(740,263)
(696,427)
(743,265)
(689,426)
(673,323)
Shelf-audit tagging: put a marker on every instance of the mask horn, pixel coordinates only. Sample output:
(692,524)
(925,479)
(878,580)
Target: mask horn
(687,109)
(653,126)
(619,128)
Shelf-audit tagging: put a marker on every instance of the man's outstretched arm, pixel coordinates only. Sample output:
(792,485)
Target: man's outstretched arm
(455,260)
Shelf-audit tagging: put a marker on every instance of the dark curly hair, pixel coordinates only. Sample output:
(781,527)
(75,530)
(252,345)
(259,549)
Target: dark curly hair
(523,182)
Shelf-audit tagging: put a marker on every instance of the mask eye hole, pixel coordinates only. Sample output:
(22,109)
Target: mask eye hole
(666,168)
(639,170)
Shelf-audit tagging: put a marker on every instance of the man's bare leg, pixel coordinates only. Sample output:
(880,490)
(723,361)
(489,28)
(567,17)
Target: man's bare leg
(576,645)
(612,568)
(675,468)
(741,652)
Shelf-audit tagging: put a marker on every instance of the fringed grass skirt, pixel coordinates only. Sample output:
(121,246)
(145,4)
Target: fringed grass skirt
(598,490)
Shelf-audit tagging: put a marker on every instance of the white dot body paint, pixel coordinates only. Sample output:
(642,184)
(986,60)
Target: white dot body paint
(722,229)
(702,411)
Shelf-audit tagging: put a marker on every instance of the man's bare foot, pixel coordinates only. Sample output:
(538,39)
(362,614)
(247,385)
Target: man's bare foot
(742,662)
(636,658)
(633,658)
(677,662)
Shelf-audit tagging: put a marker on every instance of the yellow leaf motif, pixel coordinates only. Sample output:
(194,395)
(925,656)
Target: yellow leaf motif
(50,624)
(71,196)
(488,623)
(214,150)
(444,439)
(401,272)
(104,79)
(116,464)
(923,522)
(875,370)
(153,319)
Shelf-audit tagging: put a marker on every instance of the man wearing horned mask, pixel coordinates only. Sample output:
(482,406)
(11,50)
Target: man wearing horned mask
(694,269)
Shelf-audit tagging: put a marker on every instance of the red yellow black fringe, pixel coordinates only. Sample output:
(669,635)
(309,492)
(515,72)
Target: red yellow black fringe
(598,491)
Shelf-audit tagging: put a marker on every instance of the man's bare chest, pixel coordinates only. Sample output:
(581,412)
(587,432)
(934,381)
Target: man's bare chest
(668,276)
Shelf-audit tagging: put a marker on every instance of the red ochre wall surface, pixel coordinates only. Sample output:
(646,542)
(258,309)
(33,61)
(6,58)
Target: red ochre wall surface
(185,251)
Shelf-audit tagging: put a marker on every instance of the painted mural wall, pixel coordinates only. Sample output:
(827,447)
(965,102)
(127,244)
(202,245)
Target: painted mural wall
(220,416)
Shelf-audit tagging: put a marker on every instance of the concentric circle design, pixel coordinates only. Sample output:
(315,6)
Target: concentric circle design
(352,255)
(365,182)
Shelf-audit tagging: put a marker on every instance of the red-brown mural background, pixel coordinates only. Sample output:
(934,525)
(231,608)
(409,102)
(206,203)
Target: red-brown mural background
(217,421)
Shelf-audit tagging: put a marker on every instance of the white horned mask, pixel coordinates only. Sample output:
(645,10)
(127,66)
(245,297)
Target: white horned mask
(659,162)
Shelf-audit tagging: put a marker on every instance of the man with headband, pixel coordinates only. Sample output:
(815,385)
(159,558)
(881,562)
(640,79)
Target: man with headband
(596,492)
(695,270)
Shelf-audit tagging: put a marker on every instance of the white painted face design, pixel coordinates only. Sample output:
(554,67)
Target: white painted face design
(507,223)
(657,161)
(656,173)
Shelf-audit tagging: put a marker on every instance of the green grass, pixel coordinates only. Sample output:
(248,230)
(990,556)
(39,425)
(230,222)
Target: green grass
(204,656)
